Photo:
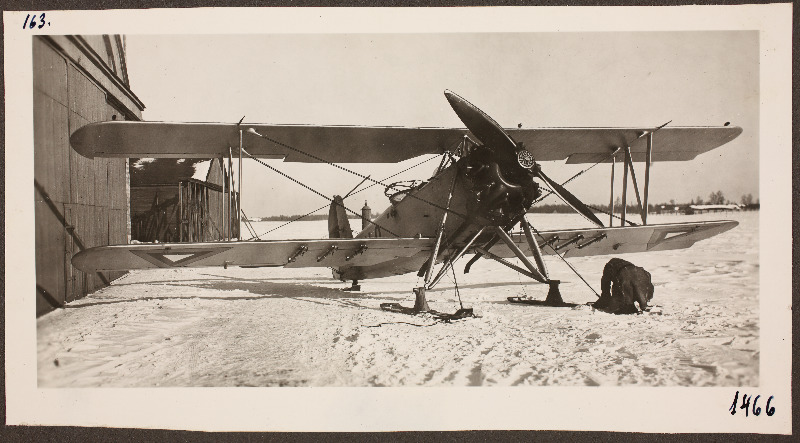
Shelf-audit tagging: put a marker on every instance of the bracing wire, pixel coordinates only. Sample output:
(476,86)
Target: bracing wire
(603,159)
(249,225)
(394,175)
(565,261)
(629,222)
(519,279)
(378,182)
(455,284)
(349,195)
(312,189)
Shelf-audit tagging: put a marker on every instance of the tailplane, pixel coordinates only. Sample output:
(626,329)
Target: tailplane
(338,223)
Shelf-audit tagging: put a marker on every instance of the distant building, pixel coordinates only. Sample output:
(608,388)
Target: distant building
(79,202)
(699,209)
(668,209)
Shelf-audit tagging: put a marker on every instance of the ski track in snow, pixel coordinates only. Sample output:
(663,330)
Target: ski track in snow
(295,327)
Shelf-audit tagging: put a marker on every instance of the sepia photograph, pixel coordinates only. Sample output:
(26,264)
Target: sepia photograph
(491,212)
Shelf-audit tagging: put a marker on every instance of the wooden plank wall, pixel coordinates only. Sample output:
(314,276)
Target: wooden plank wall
(156,209)
(216,199)
(201,212)
(154,213)
(79,202)
(143,197)
(199,206)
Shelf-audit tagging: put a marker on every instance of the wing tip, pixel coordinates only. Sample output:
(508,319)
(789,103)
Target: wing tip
(80,140)
(81,262)
(730,224)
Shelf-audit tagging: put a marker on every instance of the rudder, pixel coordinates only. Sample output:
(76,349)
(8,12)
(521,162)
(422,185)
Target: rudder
(338,223)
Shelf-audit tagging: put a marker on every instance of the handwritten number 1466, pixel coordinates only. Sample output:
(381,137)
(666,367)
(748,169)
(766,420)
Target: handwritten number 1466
(746,405)
(33,22)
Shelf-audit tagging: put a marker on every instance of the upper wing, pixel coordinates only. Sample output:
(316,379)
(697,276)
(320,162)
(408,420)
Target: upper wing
(329,253)
(590,145)
(367,144)
(337,144)
(619,240)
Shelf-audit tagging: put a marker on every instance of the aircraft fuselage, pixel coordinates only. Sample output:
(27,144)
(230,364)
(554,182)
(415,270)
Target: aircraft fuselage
(485,193)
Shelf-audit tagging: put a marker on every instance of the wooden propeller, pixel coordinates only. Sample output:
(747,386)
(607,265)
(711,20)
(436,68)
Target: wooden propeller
(491,134)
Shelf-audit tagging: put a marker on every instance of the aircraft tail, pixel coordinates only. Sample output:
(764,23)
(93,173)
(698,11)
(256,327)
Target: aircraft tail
(338,223)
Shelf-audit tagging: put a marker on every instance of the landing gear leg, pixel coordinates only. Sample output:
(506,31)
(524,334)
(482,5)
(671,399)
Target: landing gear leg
(421,303)
(355,287)
(553,298)
(553,294)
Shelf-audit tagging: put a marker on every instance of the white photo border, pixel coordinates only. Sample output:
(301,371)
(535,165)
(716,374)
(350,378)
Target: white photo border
(410,408)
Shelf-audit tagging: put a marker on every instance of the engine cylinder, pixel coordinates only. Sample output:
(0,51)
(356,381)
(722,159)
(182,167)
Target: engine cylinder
(500,190)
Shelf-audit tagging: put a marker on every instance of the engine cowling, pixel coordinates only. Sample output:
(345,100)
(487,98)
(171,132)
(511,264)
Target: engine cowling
(500,188)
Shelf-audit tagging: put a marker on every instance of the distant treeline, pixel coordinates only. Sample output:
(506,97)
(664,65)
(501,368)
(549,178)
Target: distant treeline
(313,217)
(631,209)
(540,209)
(554,208)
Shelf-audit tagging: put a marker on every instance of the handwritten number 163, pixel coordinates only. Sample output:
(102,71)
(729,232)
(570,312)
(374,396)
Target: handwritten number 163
(746,405)
(32,23)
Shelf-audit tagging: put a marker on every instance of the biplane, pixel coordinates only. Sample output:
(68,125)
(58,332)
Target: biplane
(488,179)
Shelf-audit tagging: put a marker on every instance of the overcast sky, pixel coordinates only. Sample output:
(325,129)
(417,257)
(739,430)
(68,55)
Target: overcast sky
(537,79)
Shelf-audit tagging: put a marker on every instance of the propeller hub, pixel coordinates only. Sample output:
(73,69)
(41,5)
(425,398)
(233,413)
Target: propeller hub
(525,159)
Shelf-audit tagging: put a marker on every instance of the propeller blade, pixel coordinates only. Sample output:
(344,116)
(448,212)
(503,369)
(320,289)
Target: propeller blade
(493,135)
(569,199)
(483,127)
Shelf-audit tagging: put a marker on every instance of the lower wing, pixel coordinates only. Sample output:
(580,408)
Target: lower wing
(620,240)
(329,253)
(335,253)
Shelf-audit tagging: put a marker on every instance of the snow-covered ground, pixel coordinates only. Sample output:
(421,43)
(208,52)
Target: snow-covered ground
(294,327)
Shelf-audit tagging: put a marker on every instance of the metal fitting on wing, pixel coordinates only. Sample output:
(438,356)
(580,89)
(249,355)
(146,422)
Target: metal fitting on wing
(592,240)
(550,241)
(358,251)
(575,239)
(300,251)
(330,251)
